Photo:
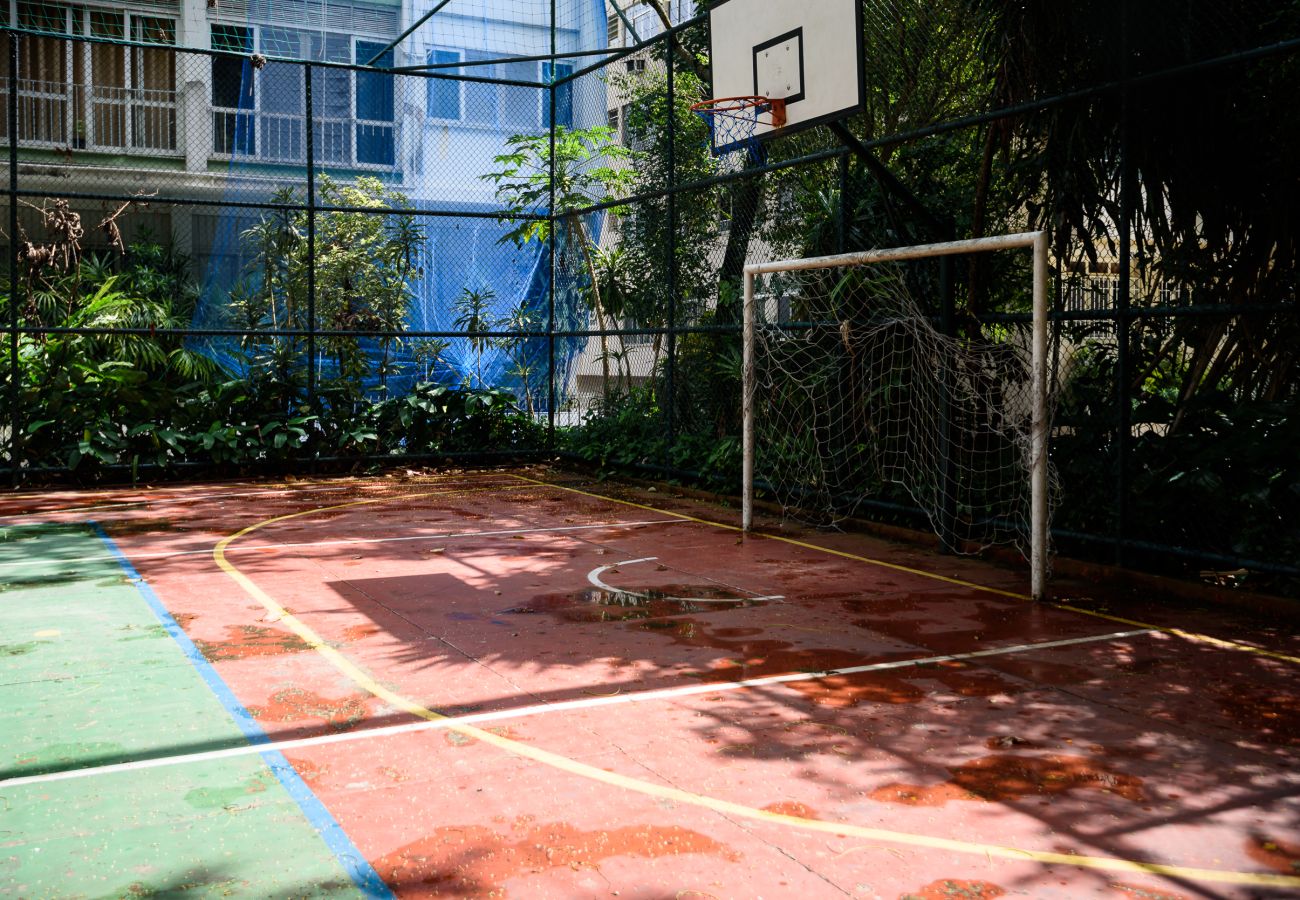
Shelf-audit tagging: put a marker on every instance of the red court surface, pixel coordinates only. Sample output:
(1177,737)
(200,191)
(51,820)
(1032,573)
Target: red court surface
(523,683)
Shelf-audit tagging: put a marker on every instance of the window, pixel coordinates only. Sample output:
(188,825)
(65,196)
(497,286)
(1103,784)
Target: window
(331,99)
(153,79)
(375,109)
(233,92)
(645,22)
(563,95)
(516,107)
(97,96)
(283,100)
(611,29)
(635,64)
(520,105)
(444,93)
(353,119)
(612,119)
(480,99)
(43,98)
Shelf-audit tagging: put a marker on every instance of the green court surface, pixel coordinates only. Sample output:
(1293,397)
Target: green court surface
(90,675)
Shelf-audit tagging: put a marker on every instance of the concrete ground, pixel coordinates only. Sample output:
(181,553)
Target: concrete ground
(516,683)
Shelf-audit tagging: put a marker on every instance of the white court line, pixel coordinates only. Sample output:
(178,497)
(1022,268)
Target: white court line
(349,542)
(171,497)
(308,488)
(593,577)
(544,708)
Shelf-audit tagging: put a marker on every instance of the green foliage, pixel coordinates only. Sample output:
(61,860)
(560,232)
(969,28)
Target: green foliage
(1221,215)
(563,172)
(146,400)
(438,418)
(474,317)
(1218,474)
(587,170)
(365,274)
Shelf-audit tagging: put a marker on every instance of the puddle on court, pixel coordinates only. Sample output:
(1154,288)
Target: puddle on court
(597,605)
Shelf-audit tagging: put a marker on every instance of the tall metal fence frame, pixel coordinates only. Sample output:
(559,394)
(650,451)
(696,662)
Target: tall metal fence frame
(1118,546)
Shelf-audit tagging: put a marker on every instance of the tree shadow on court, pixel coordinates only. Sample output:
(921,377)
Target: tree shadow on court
(1096,746)
(1100,749)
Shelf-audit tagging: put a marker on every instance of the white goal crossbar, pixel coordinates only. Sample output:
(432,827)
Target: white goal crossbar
(1035,241)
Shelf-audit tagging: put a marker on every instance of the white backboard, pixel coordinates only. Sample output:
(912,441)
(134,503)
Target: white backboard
(806,52)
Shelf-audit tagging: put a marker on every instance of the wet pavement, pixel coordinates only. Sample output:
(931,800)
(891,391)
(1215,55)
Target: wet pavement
(661,708)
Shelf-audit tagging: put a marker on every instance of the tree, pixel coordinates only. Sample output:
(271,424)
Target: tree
(474,317)
(648,259)
(1221,215)
(586,170)
(364,272)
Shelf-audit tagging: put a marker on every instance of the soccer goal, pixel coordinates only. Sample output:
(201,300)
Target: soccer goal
(853,397)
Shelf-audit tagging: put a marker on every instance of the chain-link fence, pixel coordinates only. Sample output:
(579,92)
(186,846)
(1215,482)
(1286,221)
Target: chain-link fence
(302,246)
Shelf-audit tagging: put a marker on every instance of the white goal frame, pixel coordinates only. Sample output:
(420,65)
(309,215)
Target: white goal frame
(1033,240)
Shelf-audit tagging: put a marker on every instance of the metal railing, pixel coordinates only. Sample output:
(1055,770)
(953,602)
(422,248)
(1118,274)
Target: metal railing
(98,118)
(281,138)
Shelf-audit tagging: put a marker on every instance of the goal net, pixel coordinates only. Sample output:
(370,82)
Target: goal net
(854,398)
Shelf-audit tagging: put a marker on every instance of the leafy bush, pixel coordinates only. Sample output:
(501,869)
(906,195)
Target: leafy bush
(125,395)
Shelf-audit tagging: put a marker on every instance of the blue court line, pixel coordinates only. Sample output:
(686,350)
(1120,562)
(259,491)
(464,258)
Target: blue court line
(350,858)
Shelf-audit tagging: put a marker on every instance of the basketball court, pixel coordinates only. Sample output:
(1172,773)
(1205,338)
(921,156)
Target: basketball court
(524,682)
(521,683)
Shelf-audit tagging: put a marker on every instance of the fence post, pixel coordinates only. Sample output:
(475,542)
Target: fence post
(550,253)
(310,146)
(15,373)
(948,537)
(842,214)
(1123,302)
(670,178)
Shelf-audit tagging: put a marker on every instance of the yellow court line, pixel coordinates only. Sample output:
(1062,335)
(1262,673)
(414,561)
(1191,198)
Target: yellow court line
(1176,632)
(1186,635)
(562,763)
(797,543)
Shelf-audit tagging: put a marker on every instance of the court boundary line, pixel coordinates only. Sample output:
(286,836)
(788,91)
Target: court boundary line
(346,853)
(538,709)
(288,488)
(351,542)
(1175,632)
(672,794)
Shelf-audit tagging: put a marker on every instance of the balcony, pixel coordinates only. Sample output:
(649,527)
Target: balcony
(60,116)
(280,138)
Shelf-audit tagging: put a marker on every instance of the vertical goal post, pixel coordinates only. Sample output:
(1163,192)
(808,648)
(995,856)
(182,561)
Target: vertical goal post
(1036,241)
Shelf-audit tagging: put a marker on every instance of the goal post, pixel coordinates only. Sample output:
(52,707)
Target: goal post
(1037,474)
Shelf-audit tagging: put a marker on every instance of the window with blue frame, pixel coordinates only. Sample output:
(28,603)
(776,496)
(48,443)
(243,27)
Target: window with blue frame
(520,106)
(375,113)
(444,93)
(233,91)
(563,95)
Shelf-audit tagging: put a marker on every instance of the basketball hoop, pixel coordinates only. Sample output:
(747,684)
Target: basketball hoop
(733,121)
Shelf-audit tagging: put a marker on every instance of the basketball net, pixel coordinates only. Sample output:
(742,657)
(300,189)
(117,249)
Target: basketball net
(733,122)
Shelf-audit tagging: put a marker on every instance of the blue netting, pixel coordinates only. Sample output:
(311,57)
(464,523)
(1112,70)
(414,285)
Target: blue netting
(431,140)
